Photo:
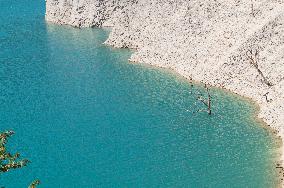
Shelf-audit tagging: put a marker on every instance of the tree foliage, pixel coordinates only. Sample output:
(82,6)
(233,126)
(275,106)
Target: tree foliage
(34,184)
(10,161)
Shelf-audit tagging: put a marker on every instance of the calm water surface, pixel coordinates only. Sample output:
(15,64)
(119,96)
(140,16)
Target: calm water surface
(87,118)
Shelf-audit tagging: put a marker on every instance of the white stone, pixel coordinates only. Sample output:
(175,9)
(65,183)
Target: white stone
(205,40)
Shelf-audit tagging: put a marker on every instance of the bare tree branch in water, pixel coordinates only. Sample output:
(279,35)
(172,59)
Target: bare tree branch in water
(200,98)
(206,101)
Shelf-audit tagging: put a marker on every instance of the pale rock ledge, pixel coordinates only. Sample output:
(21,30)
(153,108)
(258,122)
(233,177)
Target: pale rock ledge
(207,41)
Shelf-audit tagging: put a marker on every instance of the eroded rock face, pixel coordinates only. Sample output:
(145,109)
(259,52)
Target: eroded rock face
(206,40)
(84,13)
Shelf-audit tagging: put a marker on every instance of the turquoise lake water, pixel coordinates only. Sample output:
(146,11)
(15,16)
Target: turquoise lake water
(85,117)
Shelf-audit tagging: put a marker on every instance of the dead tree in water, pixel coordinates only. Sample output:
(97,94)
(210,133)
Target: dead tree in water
(253,57)
(206,101)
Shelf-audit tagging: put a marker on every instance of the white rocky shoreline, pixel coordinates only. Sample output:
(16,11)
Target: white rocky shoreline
(237,45)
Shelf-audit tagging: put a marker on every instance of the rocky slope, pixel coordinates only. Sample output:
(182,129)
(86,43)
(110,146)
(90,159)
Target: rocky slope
(237,44)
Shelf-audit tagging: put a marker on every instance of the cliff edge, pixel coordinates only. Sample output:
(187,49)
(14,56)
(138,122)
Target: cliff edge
(237,45)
